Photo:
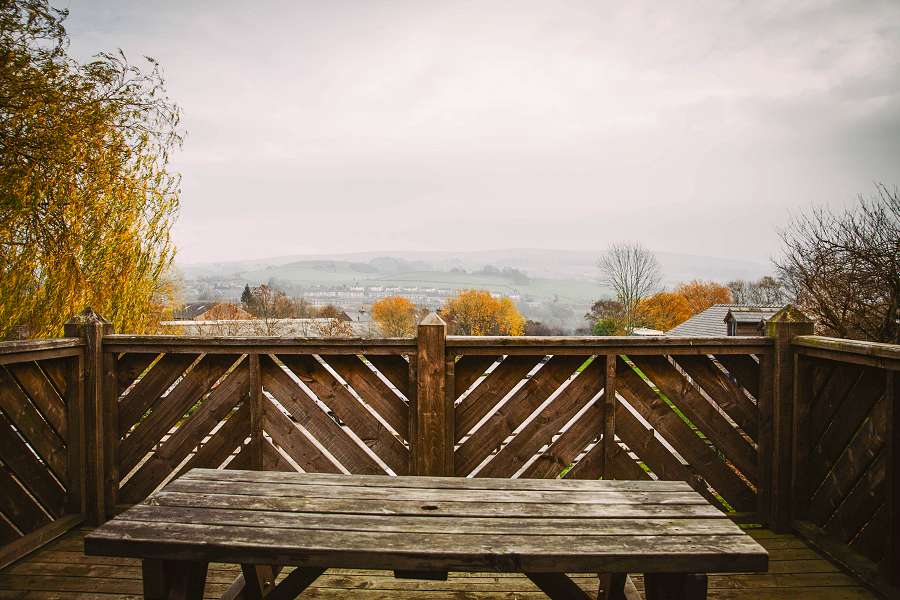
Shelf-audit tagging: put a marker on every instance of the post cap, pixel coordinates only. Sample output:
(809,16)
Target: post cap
(790,314)
(87,317)
(433,319)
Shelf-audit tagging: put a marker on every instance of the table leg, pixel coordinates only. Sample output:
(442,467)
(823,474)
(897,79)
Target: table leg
(185,579)
(153,573)
(557,586)
(675,586)
(617,586)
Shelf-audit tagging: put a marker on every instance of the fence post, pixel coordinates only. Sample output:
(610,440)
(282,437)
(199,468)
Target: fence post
(96,453)
(431,423)
(783,326)
(892,395)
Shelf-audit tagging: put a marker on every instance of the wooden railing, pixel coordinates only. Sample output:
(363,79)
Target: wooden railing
(41,450)
(788,430)
(846,474)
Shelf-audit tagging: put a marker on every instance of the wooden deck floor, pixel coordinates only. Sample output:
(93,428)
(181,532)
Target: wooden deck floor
(61,570)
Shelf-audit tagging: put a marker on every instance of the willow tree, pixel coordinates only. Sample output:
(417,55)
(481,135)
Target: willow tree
(86,196)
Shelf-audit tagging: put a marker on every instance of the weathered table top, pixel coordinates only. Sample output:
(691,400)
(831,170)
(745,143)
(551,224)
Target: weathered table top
(431,524)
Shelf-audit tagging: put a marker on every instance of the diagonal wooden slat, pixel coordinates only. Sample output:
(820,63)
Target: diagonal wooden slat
(372,390)
(468,369)
(273,461)
(847,419)
(394,368)
(563,452)
(56,370)
(36,431)
(622,466)
(514,411)
(540,430)
(299,448)
(32,473)
(42,394)
(314,420)
(166,414)
(131,366)
(744,369)
(723,391)
(861,503)
(690,402)
(222,443)
(220,403)
(348,409)
(644,443)
(150,389)
(17,506)
(702,457)
(855,458)
(489,392)
(833,391)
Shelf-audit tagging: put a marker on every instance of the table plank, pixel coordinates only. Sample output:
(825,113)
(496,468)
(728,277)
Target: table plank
(240,488)
(390,507)
(429,524)
(427,551)
(480,483)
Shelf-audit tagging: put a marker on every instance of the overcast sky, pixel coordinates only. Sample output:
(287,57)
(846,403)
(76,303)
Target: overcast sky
(332,126)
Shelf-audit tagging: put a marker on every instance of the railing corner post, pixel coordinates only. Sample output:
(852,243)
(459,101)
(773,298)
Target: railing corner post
(783,326)
(432,433)
(96,453)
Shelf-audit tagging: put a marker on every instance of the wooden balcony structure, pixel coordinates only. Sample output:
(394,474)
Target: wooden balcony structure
(794,436)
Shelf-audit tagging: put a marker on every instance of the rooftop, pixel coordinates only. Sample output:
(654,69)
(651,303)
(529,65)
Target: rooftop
(711,322)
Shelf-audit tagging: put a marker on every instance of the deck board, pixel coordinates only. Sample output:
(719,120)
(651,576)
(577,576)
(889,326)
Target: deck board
(60,570)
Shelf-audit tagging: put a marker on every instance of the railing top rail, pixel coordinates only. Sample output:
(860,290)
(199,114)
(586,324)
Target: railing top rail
(257,344)
(609,344)
(876,354)
(28,350)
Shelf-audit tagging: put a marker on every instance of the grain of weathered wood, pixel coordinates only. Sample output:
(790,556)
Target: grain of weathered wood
(432,445)
(220,446)
(394,368)
(217,406)
(855,458)
(486,483)
(348,409)
(18,506)
(516,410)
(847,419)
(148,391)
(299,448)
(608,439)
(556,496)
(42,394)
(661,416)
(783,327)
(31,425)
(723,391)
(132,366)
(257,402)
(457,509)
(725,437)
(167,413)
(313,419)
(373,391)
(20,460)
(468,370)
(482,399)
(744,368)
(563,452)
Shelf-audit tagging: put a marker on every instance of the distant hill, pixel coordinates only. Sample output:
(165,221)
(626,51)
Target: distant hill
(537,264)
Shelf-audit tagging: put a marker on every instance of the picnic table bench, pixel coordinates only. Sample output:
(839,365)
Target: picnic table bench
(423,527)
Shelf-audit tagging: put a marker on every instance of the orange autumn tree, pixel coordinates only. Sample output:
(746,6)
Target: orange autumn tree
(700,295)
(664,310)
(477,312)
(395,316)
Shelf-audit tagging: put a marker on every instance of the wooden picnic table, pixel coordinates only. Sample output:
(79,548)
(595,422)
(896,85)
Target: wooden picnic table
(423,527)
